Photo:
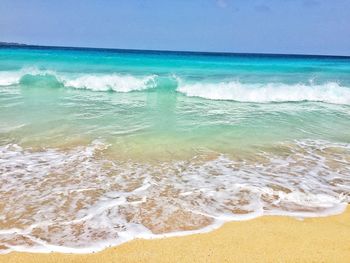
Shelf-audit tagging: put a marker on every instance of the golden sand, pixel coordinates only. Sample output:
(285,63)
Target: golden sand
(265,239)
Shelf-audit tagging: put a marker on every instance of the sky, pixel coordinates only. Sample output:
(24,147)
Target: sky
(251,26)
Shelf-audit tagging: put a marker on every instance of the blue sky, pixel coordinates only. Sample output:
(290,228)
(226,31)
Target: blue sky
(268,26)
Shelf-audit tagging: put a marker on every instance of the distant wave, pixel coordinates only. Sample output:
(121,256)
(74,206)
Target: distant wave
(95,82)
(330,92)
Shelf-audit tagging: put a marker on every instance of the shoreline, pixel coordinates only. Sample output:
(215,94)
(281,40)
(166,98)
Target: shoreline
(264,239)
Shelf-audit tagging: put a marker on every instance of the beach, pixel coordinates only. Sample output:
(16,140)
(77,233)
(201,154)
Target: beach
(174,131)
(105,148)
(265,239)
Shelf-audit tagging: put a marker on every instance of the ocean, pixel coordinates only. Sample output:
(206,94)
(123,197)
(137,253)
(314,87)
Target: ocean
(99,147)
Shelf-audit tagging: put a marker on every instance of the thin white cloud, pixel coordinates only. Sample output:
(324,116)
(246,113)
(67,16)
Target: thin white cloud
(221,3)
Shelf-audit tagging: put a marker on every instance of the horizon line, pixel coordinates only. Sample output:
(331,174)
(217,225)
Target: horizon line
(136,50)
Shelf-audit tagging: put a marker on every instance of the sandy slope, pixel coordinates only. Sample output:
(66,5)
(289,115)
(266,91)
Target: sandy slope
(266,239)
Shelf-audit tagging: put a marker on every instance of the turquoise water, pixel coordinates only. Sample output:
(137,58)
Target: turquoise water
(119,144)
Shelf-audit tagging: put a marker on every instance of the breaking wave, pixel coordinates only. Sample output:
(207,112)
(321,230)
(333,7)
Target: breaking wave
(95,82)
(330,92)
(112,82)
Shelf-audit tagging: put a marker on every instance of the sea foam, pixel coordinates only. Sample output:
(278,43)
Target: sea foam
(95,82)
(8,78)
(80,201)
(330,92)
(111,82)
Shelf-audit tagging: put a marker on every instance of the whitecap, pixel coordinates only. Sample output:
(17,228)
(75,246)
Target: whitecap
(96,82)
(330,92)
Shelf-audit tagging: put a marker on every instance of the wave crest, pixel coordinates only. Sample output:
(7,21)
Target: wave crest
(330,92)
(113,82)
(8,78)
(95,82)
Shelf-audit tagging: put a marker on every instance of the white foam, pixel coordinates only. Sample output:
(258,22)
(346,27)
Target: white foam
(79,201)
(114,82)
(330,92)
(8,78)
(95,82)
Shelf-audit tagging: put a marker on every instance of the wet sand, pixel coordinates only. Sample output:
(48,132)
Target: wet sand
(265,239)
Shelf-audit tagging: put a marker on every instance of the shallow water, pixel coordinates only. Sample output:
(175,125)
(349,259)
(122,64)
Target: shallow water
(99,147)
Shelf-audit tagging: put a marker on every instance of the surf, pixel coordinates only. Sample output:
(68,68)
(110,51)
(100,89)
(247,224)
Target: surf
(95,82)
(111,201)
(330,92)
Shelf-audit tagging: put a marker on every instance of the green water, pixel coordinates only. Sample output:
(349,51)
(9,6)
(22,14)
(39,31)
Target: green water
(40,106)
(119,143)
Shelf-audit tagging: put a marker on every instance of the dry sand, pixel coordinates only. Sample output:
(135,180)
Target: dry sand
(265,239)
